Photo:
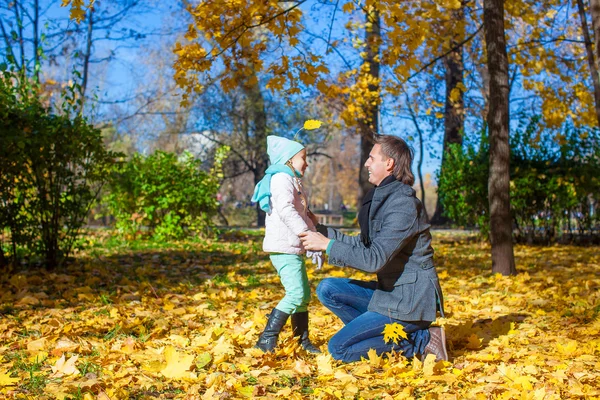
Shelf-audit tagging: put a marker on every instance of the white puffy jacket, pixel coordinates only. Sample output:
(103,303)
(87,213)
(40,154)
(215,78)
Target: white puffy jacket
(288,216)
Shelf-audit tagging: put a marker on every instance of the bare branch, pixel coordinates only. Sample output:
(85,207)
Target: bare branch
(456,47)
(331,25)
(233,150)
(248,27)
(318,153)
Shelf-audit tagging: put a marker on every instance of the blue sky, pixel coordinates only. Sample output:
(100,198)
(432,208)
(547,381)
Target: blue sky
(128,72)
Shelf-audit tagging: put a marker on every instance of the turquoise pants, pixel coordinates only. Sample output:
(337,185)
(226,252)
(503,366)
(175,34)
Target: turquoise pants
(292,272)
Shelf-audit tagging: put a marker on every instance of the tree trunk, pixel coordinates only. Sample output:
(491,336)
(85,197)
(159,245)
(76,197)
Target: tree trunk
(366,144)
(3,260)
(503,261)
(454,116)
(258,116)
(595,9)
(370,125)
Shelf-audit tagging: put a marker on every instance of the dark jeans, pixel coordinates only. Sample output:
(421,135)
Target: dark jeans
(363,330)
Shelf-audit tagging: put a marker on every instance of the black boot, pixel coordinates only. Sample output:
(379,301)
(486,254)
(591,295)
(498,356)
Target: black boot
(268,339)
(300,329)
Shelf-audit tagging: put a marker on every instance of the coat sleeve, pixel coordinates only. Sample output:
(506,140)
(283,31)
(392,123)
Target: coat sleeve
(282,200)
(396,228)
(336,235)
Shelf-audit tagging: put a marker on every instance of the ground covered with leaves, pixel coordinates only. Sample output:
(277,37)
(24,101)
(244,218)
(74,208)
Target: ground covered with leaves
(137,320)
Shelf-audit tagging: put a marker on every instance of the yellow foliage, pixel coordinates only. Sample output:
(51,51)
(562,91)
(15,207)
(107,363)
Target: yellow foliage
(312,124)
(393,332)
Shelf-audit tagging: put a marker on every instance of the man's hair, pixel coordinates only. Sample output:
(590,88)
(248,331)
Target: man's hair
(395,148)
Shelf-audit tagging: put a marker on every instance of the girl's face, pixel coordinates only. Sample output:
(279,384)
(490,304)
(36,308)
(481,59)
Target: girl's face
(299,161)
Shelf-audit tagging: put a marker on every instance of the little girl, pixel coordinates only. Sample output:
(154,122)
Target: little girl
(281,196)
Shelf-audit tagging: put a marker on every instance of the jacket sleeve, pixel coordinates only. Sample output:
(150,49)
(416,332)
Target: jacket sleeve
(282,200)
(390,234)
(336,235)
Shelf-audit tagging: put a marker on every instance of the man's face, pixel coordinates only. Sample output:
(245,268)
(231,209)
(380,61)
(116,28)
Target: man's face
(378,166)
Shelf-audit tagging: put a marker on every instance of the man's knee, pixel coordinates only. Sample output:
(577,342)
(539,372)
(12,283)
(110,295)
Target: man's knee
(325,289)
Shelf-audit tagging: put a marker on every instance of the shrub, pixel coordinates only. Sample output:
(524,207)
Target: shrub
(52,167)
(554,183)
(170,197)
(463,188)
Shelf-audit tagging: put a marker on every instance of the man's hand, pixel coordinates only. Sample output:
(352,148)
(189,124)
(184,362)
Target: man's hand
(314,241)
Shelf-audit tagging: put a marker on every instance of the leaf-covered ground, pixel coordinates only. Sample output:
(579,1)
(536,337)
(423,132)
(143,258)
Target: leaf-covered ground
(178,320)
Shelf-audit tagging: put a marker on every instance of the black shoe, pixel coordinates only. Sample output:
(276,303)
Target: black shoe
(300,329)
(268,339)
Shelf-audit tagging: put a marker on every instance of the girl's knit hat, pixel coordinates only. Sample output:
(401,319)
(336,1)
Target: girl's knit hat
(280,149)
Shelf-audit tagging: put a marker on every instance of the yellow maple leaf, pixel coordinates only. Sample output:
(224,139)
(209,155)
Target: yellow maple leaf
(6,380)
(178,363)
(348,7)
(28,301)
(311,124)
(343,377)
(203,360)
(37,345)
(246,391)
(374,359)
(567,349)
(428,365)
(524,382)
(18,281)
(393,332)
(474,342)
(62,367)
(302,368)
(77,14)
(324,364)
(221,349)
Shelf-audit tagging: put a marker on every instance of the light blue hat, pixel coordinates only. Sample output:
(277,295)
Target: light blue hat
(280,149)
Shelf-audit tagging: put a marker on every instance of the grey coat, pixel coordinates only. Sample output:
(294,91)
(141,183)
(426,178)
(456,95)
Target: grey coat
(399,251)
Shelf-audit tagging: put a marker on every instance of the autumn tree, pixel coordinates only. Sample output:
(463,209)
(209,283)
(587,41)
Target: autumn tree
(498,122)
(592,57)
(368,126)
(454,112)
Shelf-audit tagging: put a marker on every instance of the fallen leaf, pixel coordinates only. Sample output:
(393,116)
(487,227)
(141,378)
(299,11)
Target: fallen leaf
(178,364)
(65,368)
(37,345)
(302,368)
(6,380)
(324,364)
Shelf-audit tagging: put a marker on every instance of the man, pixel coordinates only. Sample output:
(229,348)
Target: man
(395,244)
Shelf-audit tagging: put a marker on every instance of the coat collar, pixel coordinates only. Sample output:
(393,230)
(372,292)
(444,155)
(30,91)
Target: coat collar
(383,192)
(394,186)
